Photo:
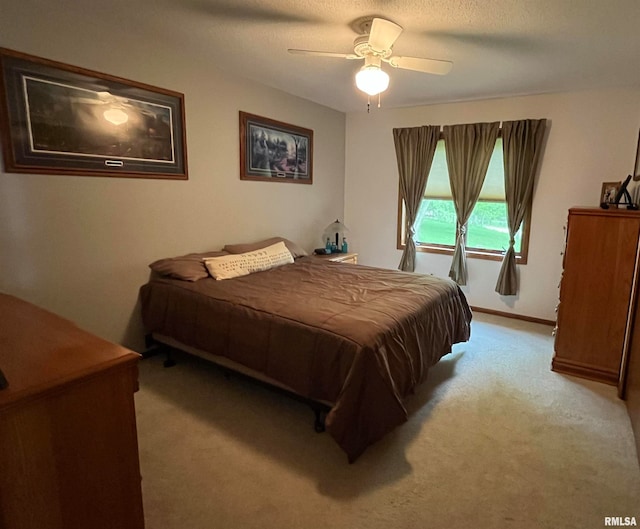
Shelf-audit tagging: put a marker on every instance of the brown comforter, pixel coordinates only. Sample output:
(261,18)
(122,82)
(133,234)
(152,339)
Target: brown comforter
(358,337)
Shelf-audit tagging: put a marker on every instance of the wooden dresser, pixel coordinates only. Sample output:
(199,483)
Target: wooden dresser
(596,310)
(629,387)
(68,441)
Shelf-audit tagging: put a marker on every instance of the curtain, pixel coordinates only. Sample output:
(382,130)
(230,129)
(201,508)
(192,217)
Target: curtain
(522,143)
(415,148)
(469,149)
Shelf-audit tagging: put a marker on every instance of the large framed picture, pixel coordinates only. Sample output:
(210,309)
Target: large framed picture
(273,151)
(62,119)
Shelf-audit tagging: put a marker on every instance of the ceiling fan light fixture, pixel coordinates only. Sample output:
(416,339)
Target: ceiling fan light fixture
(372,80)
(374,44)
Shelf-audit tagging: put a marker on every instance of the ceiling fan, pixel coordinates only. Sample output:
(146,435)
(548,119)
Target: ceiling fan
(375,45)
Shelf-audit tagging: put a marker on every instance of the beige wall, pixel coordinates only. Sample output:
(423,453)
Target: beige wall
(592,138)
(80,246)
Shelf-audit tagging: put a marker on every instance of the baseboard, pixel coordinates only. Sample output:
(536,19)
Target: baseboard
(514,316)
(578,369)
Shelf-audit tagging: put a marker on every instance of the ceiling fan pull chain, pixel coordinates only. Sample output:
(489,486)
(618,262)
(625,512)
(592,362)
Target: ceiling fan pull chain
(379,100)
(368,104)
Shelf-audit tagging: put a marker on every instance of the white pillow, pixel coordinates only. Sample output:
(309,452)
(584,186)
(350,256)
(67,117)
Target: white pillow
(242,264)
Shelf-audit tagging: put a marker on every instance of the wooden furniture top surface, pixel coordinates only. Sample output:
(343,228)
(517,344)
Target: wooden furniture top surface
(605,212)
(40,351)
(338,256)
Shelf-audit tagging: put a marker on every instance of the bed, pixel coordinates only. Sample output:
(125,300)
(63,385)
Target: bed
(354,338)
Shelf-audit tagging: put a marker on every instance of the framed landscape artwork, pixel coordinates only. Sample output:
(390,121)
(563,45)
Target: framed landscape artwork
(273,151)
(62,119)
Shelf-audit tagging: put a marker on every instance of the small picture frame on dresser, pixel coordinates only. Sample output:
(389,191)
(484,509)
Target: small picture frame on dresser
(636,166)
(608,194)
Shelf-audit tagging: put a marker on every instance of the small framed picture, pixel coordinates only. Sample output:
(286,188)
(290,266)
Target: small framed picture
(273,151)
(636,167)
(609,192)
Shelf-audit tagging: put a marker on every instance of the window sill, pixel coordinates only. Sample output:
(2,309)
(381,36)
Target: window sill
(471,254)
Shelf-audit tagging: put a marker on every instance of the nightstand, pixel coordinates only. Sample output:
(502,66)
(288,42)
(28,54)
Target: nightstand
(349,258)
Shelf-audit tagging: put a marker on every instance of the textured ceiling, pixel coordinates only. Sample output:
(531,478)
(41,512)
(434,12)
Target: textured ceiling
(498,47)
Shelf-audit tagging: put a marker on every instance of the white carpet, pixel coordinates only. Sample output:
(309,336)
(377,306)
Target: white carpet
(494,439)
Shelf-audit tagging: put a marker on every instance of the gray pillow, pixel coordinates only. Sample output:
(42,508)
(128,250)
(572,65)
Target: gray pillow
(188,267)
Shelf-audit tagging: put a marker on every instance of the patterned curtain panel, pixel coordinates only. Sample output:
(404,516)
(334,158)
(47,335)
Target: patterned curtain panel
(522,144)
(415,148)
(469,149)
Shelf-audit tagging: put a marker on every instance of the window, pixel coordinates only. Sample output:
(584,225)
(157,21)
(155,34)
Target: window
(487,233)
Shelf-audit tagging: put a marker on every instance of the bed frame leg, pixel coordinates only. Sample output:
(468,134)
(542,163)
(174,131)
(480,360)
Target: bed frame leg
(169,362)
(149,342)
(318,424)
(151,347)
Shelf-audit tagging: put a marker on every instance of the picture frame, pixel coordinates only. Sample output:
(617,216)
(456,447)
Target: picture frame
(273,151)
(61,119)
(609,192)
(636,166)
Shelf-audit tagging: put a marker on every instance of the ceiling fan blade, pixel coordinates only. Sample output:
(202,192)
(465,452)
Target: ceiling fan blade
(324,54)
(420,64)
(383,34)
